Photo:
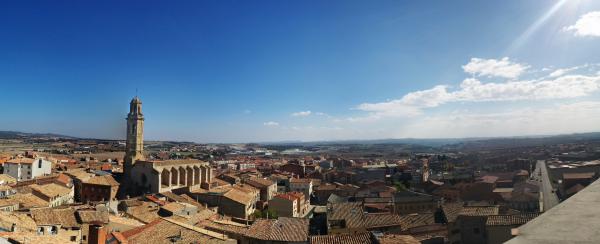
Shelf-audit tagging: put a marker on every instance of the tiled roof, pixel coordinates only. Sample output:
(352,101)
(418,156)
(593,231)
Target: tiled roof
(281,229)
(7,179)
(239,196)
(451,211)
(358,238)
(21,161)
(105,180)
(63,179)
(397,239)
(300,180)
(351,212)
(290,196)
(259,182)
(517,219)
(382,220)
(410,196)
(224,226)
(172,196)
(174,207)
(51,190)
(89,216)
(48,216)
(144,213)
(479,210)
(416,220)
(29,200)
(167,231)
(22,221)
(572,176)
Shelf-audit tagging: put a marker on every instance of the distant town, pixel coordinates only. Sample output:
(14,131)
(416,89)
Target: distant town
(60,189)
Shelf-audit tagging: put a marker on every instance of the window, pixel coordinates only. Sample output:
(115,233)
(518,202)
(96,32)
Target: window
(40,164)
(73,238)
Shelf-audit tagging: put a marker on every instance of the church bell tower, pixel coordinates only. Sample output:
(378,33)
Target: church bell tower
(134,147)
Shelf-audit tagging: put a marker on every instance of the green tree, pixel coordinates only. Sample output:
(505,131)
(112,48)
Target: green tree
(400,186)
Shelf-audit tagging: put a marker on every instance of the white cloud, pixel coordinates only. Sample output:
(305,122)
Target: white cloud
(559,72)
(271,123)
(556,119)
(493,67)
(247,111)
(555,86)
(569,86)
(587,25)
(409,105)
(302,113)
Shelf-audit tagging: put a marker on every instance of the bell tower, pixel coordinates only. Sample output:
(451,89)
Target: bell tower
(134,147)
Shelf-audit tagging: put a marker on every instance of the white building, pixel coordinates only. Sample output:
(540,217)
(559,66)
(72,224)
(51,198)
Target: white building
(27,168)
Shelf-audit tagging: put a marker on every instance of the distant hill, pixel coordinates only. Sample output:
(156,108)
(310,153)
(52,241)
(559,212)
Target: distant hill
(25,135)
(469,142)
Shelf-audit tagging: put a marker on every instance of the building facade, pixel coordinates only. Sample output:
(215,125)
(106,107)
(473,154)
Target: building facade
(167,175)
(27,168)
(157,176)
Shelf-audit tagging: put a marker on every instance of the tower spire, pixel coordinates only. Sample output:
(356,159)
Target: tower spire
(134,147)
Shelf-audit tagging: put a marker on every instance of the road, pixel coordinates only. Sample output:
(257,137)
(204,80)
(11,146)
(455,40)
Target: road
(548,198)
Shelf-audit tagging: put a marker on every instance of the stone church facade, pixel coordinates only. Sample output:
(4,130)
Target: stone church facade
(152,176)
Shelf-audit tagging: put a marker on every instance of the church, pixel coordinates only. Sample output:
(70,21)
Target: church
(152,176)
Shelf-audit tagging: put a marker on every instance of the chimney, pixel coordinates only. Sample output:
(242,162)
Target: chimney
(97,234)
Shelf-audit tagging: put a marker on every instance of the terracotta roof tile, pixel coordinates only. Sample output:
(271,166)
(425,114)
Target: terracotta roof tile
(479,210)
(281,229)
(398,239)
(517,219)
(48,216)
(359,238)
(105,180)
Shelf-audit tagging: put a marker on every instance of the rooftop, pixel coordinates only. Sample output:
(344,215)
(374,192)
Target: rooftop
(105,180)
(51,190)
(575,220)
(21,161)
(173,162)
(515,219)
(479,210)
(572,176)
(281,229)
(259,182)
(358,238)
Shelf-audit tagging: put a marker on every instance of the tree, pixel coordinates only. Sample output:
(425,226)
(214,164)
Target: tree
(400,186)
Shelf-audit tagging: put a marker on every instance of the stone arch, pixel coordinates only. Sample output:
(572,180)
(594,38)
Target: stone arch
(182,176)
(165,178)
(190,176)
(203,174)
(196,175)
(174,174)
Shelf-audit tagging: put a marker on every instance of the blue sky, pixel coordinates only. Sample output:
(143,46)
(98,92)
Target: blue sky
(239,71)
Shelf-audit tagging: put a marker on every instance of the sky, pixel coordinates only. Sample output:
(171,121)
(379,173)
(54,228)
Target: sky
(260,71)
